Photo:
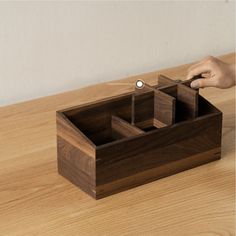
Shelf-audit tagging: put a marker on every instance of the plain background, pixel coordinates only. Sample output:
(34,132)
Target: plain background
(51,47)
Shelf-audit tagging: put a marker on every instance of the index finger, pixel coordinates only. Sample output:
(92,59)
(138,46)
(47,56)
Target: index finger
(198,69)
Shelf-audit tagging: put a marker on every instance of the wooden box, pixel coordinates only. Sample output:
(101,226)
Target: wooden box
(129,140)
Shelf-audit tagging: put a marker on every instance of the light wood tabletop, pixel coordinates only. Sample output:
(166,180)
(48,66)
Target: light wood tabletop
(35,200)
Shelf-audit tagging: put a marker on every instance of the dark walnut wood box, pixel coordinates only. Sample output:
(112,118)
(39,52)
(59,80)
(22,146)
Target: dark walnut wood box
(129,140)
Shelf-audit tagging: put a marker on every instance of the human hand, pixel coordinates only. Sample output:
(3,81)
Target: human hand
(215,73)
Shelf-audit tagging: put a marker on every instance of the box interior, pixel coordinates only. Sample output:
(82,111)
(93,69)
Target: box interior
(135,114)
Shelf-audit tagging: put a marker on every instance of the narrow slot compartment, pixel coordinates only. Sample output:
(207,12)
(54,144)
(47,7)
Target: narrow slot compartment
(149,108)
(186,101)
(150,128)
(155,108)
(150,125)
(147,125)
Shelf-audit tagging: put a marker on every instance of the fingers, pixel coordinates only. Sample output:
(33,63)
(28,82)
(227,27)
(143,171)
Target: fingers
(198,69)
(203,83)
(202,67)
(206,75)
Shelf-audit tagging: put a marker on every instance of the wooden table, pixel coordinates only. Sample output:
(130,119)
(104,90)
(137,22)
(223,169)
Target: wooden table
(35,200)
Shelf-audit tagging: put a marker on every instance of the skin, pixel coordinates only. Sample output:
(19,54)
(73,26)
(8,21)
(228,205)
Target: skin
(215,73)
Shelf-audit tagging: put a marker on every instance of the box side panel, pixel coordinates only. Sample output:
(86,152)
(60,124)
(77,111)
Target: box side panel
(76,166)
(67,131)
(162,154)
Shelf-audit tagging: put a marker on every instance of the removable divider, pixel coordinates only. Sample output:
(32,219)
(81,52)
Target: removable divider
(143,109)
(164,109)
(122,128)
(187,102)
(163,80)
(170,90)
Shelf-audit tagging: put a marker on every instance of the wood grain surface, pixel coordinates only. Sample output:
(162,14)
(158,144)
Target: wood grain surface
(164,108)
(121,128)
(35,200)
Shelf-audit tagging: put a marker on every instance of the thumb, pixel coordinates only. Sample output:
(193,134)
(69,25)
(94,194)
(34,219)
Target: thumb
(202,83)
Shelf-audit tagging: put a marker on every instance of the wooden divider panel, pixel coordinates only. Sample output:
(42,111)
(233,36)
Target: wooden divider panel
(164,81)
(142,107)
(122,128)
(164,109)
(187,102)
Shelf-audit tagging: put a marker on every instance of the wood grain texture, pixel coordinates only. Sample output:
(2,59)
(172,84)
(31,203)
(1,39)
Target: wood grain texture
(122,128)
(69,132)
(94,120)
(157,172)
(142,107)
(158,123)
(35,200)
(164,108)
(163,80)
(162,138)
(186,99)
(187,102)
(77,166)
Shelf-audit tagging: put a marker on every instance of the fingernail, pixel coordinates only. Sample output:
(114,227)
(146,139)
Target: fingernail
(194,84)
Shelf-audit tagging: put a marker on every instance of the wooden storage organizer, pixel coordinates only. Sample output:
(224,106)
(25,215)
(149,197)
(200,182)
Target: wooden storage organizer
(129,140)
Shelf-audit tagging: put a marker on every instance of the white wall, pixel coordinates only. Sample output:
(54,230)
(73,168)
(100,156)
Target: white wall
(50,47)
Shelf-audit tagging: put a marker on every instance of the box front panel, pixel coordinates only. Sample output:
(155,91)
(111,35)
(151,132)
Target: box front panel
(135,162)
